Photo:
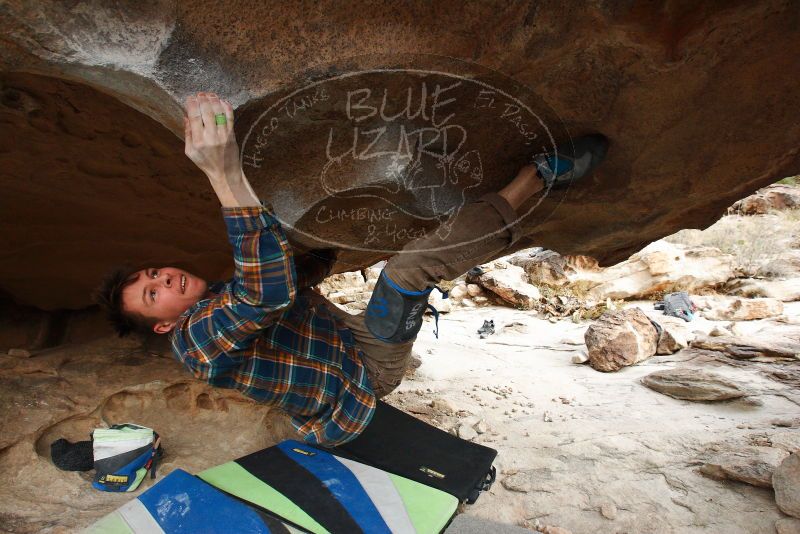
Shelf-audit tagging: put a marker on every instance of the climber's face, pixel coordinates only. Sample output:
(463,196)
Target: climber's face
(163,294)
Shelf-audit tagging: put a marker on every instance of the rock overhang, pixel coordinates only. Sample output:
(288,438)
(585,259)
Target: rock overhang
(697,101)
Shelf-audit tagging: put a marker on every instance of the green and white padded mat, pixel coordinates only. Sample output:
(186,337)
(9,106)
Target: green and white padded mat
(288,488)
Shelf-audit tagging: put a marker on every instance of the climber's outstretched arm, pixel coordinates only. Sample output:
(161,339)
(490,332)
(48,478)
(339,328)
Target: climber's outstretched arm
(212,147)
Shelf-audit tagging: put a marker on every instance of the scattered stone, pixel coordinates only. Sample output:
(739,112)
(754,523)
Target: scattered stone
(670,341)
(474,290)
(608,510)
(786,423)
(741,349)
(620,338)
(786,440)
(547,418)
(739,309)
(548,529)
(444,406)
(510,283)
(442,305)
(787,525)
(519,482)
(580,358)
(786,481)
(517,327)
(527,480)
(719,331)
(481,427)
(465,431)
(19,353)
(693,385)
(458,291)
(751,465)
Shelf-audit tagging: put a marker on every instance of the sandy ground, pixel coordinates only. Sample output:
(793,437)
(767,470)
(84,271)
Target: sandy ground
(584,450)
(611,441)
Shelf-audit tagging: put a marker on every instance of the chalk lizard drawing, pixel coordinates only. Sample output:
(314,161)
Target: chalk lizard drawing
(405,172)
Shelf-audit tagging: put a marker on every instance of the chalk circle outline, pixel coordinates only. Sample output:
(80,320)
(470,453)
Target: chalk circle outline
(524,106)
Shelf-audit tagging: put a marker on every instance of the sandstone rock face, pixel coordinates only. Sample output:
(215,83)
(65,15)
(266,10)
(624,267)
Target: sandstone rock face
(786,481)
(620,338)
(67,392)
(772,197)
(659,267)
(693,385)
(783,290)
(739,309)
(752,465)
(623,69)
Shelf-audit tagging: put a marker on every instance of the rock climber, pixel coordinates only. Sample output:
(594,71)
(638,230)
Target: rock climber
(266,334)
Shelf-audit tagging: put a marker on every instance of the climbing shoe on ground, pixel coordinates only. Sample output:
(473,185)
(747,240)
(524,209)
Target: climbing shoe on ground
(487,329)
(394,314)
(572,162)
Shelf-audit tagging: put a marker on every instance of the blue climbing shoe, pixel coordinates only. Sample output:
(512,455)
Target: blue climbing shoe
(573,163)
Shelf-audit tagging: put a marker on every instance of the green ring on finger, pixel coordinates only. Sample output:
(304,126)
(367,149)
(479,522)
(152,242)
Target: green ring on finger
(220,119)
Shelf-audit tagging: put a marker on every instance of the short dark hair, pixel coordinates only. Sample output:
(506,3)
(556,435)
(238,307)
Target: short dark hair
(108,296)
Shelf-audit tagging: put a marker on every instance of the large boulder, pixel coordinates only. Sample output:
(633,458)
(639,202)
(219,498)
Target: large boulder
(101,177)
(620,338)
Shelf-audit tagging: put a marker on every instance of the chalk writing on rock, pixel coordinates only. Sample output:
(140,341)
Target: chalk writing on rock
(417,141)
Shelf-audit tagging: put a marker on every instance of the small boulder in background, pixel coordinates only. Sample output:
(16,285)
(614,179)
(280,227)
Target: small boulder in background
(620,338)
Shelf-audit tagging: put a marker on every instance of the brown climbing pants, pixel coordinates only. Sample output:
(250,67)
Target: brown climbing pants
(479,233)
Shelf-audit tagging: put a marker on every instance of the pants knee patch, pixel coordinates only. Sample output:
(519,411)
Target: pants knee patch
(395,314)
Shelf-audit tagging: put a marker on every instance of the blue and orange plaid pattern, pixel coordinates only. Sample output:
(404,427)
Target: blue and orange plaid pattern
(258,336)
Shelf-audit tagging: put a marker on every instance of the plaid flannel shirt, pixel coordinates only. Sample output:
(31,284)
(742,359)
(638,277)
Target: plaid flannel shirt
(257,335)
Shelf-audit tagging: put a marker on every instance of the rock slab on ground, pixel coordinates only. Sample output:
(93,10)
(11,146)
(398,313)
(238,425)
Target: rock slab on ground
(786,481)
(751,465)
(746,348)
(788,525)
(693,385)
